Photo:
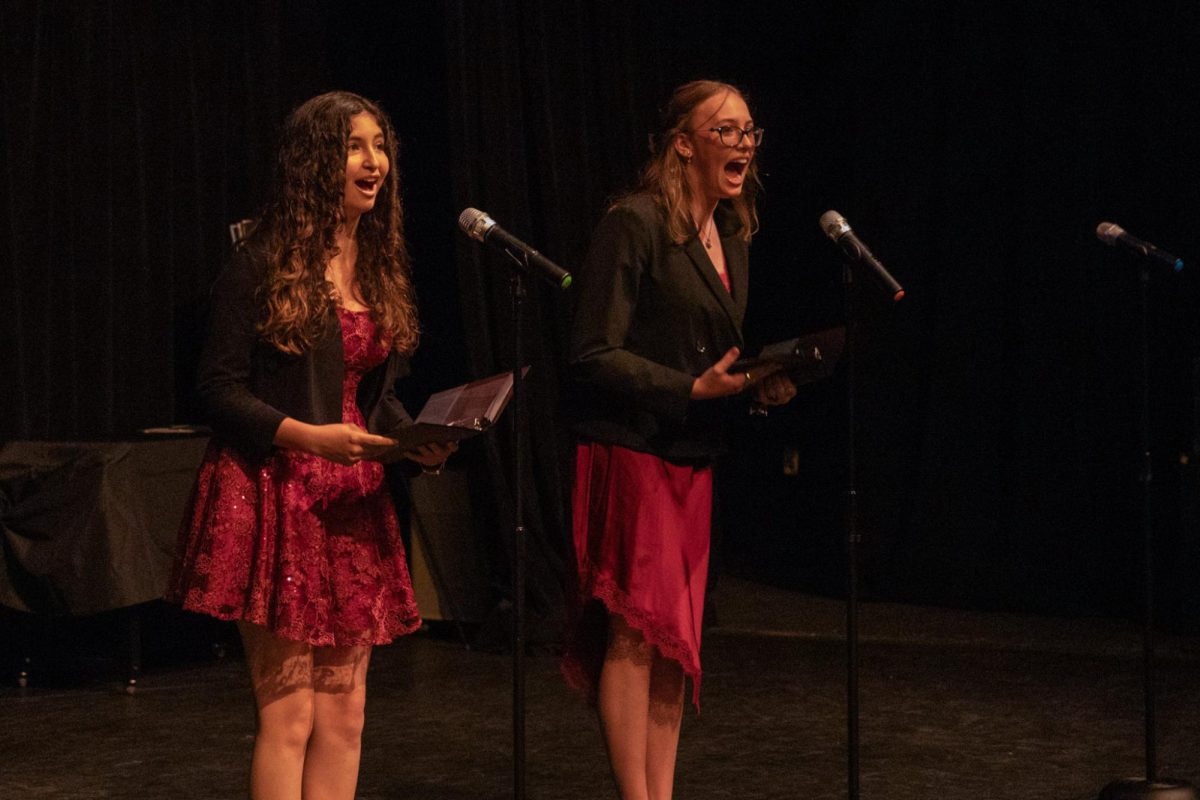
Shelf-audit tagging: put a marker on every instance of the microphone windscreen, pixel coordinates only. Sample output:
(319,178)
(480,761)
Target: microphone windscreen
(1109,232)
(834,224)
(474,223)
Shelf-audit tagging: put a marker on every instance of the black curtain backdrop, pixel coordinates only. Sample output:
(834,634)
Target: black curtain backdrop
(974,146)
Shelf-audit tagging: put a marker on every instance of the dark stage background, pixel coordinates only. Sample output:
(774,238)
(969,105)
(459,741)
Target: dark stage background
(975,146)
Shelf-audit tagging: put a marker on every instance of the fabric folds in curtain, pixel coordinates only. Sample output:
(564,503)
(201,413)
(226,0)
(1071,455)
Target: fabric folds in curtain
(133,135)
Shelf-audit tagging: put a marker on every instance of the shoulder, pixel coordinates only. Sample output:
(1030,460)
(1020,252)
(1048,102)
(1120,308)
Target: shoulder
(249,259)
(638,207)
(637,216)
(244,272)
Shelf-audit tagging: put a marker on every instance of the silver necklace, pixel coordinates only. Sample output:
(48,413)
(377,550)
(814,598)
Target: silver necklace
(708,236)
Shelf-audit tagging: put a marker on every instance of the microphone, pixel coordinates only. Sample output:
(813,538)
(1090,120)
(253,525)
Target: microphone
(482,228)
(1113,234)
(837,229)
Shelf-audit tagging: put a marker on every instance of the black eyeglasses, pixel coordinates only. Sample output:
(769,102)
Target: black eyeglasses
(731,135)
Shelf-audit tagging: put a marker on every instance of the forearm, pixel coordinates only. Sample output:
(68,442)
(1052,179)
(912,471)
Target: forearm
(292,434)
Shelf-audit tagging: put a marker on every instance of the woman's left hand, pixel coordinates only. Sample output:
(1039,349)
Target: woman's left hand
(774,390)
(432,455)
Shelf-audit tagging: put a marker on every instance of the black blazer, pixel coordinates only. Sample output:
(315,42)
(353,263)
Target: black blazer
(247,387)
(650,316)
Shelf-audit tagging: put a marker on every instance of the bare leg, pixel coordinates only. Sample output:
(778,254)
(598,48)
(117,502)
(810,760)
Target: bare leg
(340,686)
(666,714)
(281,674)
(624,702)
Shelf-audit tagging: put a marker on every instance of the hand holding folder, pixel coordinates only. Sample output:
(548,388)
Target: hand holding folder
(805,359)
(456,414)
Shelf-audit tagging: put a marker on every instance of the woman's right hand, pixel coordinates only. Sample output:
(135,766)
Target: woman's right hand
(717,382)
(341,442)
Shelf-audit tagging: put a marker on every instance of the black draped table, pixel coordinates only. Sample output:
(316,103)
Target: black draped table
(89,527)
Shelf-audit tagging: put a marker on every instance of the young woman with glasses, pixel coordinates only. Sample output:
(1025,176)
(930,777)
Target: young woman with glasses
(657,327)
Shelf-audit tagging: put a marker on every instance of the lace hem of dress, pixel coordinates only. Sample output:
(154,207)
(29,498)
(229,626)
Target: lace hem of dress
(394,626)
(618,602)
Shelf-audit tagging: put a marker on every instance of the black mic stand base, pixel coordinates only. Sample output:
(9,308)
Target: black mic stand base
(1139,789)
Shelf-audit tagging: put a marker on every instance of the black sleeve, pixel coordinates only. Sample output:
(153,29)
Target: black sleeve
(388,413)
(607,288)
(224,371)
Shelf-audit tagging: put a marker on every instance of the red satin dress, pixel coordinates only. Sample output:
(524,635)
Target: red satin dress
(305,547)
(641,528)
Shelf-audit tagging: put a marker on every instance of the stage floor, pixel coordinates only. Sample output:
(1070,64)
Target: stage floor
(954,704)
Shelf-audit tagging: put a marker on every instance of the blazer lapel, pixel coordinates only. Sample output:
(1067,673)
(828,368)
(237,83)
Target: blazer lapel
(738,266)
(733,300)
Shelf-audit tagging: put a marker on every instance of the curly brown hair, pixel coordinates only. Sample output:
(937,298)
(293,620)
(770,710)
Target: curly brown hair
(298,226)
(663,176)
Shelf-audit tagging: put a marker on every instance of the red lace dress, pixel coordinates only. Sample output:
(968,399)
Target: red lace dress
(307,548)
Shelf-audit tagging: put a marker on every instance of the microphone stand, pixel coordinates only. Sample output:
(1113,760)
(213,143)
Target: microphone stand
(469,222)
(1151,787)
(853,535)
(520,430)
(853,540)
(518,555)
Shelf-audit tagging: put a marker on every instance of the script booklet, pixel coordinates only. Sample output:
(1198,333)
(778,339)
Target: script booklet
(459,413)
(805,359)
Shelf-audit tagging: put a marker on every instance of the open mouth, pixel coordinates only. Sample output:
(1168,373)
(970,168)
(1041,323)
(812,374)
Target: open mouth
(735,170)
(368,185)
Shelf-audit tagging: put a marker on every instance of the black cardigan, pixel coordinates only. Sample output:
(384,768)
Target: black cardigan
(247,387)
(650,316)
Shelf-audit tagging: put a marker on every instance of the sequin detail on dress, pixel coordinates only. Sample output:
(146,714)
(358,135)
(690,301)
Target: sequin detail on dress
(308,548)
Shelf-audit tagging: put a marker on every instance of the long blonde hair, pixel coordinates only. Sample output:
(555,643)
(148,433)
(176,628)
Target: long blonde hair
(664,174)
(298,230)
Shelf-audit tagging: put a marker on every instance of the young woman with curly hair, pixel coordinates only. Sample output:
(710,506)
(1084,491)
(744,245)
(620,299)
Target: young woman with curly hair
(291,530)
(657,326)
